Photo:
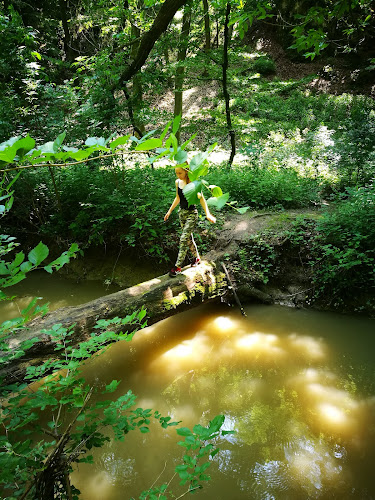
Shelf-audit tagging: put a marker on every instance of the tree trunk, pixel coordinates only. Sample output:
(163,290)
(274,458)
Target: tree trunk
(162,297)
(67,41)
(162,20)
(180,71)
(207,28)
(231,132)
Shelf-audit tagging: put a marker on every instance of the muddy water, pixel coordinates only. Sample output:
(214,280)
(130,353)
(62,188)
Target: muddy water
(297,386)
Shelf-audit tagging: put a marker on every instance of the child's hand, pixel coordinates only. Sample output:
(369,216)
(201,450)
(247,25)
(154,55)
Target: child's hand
(211,218)
(166,216)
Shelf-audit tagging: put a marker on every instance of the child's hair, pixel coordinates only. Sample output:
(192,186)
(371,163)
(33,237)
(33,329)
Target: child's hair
(186,170)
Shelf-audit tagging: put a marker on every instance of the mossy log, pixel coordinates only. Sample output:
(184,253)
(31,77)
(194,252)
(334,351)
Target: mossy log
(162,297)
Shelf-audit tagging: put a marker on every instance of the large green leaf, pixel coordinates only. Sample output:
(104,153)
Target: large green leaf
(181,156)
(82,154)
(8,154)
(191,191)
(48,147)
(38,254)
(119,141)
(149,144)
(24,145)
(218,201)
(59,140)
(198,166)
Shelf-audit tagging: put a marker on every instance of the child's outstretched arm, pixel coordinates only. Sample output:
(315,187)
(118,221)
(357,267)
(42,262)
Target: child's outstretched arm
(176,201)
(203,201)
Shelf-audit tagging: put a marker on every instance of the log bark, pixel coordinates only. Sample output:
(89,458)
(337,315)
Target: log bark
(162,297)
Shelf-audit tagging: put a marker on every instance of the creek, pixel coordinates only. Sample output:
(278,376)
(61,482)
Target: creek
(297,386)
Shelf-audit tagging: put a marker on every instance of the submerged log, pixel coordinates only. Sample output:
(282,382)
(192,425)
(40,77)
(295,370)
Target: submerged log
(162,297)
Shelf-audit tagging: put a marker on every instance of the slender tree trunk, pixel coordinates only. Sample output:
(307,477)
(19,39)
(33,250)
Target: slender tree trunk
(231,132)
(180,71)
(207,27)
(67,41)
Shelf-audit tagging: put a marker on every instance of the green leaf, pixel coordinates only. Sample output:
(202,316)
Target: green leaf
(119,141)
(144,430)
(216,190)
(176,124)
(216,423)
(180,468)
(24,145)
(242,210)
(38,254)
(95,141)
(149,144)
(218,202)
(181,156)
(191,191)
(174,143)
(8,154)
(48,147)
(142,314)
(188,141)
(82,154)
(26,267)
(58,141)
(164,133)
(184,431)
(112,386)
(36,54)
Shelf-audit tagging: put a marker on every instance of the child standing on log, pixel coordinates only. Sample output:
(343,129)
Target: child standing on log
(188,216)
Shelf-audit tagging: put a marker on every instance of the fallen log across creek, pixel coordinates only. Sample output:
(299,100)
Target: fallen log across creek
(162,297)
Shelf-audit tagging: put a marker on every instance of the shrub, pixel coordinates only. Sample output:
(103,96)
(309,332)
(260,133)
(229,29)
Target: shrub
(264,65)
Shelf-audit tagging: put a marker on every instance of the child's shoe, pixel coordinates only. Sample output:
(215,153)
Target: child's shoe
(174,271)
(195,262)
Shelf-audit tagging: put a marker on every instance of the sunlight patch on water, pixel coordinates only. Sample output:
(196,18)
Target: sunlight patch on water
(223,324)
(308,347)
(261,345)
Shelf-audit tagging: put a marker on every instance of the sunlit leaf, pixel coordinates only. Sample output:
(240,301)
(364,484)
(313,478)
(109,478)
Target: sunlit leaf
(149,144)
(181,156)
(218,201)
(119,141)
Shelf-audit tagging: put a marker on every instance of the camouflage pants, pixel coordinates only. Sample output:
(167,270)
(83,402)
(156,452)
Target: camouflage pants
(188,221)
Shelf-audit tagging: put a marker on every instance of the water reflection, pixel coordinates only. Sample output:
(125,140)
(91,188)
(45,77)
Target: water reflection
(303,413)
